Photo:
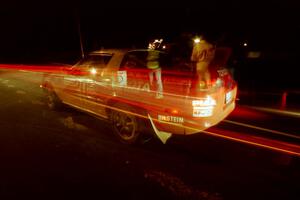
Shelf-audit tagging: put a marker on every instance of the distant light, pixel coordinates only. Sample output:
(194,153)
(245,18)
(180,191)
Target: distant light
(197,40)
(245,44)
(93,71)
(164,47)
(151,46)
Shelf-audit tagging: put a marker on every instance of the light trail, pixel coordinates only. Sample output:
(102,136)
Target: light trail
(263,129)
(272,144)
(265,143)
(277,111)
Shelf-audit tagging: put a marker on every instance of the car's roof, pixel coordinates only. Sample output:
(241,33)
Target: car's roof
(109,51)
(116,51)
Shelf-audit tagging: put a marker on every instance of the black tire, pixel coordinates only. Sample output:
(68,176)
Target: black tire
(52,100)
(125,125)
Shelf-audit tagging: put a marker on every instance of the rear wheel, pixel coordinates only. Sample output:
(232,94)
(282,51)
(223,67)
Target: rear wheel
(125,124)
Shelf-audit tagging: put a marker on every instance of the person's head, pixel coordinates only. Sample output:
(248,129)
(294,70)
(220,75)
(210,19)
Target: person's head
(208,38)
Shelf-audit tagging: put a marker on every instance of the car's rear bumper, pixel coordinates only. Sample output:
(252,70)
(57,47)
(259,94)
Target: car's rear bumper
(192,125)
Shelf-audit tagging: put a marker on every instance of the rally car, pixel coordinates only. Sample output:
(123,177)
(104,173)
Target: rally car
(119,86)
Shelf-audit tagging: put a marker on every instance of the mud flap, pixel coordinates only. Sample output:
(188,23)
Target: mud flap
(163,136)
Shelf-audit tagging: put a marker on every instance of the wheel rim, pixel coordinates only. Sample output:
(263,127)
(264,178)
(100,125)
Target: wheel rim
(124,125)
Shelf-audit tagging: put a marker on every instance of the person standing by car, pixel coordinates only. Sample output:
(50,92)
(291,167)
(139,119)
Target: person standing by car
(202,55)
(155,70)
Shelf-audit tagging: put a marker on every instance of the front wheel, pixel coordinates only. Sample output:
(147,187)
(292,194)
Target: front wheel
(52,100)
(125,124)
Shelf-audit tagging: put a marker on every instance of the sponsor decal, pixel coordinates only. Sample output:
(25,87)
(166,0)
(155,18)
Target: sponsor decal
(203,107)
(202,111)
(168,118)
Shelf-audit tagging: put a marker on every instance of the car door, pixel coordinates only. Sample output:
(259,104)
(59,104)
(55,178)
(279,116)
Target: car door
(97,84)
(72,88)
(134,73)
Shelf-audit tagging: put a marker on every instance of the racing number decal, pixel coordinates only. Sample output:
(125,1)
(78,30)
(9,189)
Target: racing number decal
(122,78)
(133,82)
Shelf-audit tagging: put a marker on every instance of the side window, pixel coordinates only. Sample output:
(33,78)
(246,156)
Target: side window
(95,61)
(134,60)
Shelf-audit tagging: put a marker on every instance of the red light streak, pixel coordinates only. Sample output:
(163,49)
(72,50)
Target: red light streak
(263,129)
(157,106)
(257,141)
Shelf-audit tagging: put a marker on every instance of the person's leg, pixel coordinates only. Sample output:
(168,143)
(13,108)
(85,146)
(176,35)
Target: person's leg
(151,77)
(207,79)
(159,83)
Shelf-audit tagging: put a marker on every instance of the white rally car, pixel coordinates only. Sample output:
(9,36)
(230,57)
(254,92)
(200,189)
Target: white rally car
(118,85)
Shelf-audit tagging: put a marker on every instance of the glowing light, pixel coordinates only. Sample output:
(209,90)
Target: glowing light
(245,44)
(197,40)
(93,71)
(174,111)
(164,47)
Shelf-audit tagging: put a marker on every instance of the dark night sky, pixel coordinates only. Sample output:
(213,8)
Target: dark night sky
(40,27)
(47,31)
